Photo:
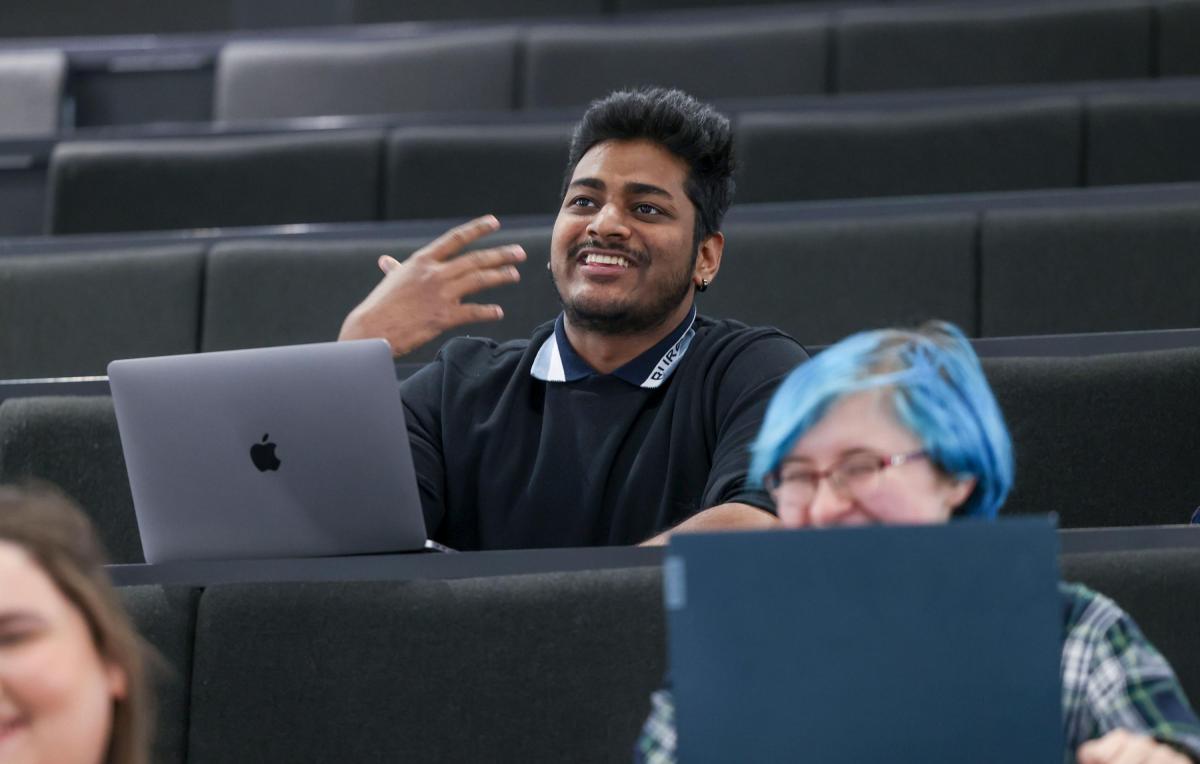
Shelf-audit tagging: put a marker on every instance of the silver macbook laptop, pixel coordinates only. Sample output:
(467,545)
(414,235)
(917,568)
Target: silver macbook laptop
(275,452)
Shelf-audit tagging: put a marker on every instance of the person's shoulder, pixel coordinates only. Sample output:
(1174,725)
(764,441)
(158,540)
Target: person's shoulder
(726,337)
(474,356)
(732,330)
(1086,610)
(720,327)
(479,353)
(465,364)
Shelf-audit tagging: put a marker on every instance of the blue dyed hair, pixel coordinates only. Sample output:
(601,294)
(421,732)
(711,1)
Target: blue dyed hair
(936,389)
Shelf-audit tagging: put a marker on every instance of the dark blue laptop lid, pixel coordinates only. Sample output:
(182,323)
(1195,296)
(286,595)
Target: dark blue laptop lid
(898,644)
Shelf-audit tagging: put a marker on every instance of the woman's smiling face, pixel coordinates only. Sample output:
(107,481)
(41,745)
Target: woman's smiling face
(56,691)
(861,430)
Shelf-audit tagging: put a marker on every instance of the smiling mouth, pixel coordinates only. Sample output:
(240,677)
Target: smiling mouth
(602,256)
(597,258)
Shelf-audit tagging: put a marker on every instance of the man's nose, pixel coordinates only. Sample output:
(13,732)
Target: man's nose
(828,506)
(608,222)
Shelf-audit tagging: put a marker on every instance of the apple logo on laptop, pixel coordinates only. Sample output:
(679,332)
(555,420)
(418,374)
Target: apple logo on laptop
(263,455)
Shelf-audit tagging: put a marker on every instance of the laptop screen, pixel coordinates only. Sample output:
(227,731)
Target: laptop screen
(930,644)
(268,452)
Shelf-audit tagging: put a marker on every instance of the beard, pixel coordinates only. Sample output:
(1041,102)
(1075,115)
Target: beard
(627,316)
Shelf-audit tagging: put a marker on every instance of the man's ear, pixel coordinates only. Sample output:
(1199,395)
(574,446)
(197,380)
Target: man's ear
(708,258)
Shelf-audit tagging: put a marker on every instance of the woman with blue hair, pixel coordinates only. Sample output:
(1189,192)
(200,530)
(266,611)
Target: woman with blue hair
(901,427)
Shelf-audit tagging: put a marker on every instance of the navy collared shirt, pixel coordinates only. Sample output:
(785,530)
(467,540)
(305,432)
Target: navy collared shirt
(520,444)
(557,361)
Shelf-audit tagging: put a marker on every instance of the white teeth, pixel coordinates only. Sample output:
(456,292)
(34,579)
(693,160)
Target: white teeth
(606,260)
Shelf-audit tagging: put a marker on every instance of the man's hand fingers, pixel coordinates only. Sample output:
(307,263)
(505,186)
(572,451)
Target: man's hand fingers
(474,313)
(387,263)
(485,258)
(453,241)
(479,280)
(418,299)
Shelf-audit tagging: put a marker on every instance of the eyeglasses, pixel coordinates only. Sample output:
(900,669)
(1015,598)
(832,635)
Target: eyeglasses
(852,478)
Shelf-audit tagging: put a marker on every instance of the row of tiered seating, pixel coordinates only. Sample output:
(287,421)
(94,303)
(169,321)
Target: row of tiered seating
(1087,261)
(1078,425)
(775,51)
(440,171)
(773,54)
(54,18)
(998,195)
(533,668)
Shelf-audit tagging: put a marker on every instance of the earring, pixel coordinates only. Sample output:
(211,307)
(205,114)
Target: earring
(703,286)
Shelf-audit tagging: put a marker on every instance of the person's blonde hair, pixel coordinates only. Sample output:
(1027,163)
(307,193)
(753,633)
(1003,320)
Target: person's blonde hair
(62,542)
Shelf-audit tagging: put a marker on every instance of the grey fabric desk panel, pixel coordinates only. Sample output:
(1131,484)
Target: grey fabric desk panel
(526,561)
(417,565)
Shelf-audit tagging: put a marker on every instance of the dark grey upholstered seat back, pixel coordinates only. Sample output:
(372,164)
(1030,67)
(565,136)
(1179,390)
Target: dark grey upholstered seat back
(1090,270)
(64,315)
(1178,30)
(60,18)
(439,172)
(1143,138)
(263,293)
(374,11)
(260,293)
(822,280)
(554,667)
(73,443)
(31,91)
(298,78)
(931,150)
(211,182)
(165,616)
(632,6)
(570,66)
(1160,588)
(953,45)
(1106,440)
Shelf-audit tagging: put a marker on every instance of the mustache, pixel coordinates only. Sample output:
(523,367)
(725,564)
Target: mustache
(636,256)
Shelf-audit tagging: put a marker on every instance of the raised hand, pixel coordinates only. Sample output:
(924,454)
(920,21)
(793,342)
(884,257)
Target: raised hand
(422,297)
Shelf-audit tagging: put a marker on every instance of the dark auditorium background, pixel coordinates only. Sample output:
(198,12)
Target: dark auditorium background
(194,175)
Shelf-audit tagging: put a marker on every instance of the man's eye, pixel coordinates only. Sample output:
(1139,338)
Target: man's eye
(647,209)
(582,201)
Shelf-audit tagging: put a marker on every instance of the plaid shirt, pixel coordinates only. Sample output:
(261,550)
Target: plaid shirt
(1112,678)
